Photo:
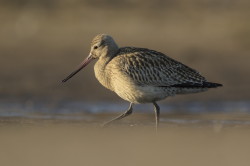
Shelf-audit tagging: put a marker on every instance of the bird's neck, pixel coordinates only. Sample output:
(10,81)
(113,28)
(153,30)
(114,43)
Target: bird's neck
(101,73)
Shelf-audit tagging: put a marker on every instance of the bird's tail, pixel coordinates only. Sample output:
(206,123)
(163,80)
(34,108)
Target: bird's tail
(197,85)
(210,85)
(186,88)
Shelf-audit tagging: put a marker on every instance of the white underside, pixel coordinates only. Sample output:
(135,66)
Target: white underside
(131,92)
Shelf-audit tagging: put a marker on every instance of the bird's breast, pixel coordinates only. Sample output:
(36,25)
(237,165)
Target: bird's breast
(102,75)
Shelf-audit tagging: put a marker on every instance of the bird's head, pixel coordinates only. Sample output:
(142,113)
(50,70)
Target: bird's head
(102,47)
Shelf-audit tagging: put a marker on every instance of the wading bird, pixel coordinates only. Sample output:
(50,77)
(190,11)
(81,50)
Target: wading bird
(140,75)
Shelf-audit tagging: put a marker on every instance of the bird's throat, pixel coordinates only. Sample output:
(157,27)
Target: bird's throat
(101,72)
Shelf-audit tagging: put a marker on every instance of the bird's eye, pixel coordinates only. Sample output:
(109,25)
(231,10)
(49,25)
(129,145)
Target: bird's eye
(95,47)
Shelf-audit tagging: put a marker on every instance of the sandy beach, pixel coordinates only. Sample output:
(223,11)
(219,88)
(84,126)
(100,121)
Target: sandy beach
(29,142)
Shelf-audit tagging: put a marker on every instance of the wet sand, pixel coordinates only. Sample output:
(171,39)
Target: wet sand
(39,142)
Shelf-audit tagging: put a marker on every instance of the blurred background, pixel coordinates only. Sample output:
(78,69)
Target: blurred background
(42,41)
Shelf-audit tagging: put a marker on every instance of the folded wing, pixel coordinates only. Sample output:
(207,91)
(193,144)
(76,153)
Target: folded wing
(151,68)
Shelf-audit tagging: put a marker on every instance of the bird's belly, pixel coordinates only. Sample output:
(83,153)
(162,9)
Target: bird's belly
(141,94)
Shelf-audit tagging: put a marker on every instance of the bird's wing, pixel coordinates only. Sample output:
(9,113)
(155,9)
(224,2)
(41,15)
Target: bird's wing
(148,67)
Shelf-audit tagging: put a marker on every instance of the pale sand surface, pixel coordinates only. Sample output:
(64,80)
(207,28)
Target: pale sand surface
(38,142)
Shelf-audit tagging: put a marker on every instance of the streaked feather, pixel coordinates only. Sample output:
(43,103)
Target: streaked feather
(151,68)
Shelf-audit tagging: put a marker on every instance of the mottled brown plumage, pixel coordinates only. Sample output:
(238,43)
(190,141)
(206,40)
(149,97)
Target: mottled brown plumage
(141,75)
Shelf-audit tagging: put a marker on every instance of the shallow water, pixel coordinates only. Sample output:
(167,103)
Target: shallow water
(227,113)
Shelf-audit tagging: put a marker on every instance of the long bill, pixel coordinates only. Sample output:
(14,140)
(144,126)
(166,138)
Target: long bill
(84,63)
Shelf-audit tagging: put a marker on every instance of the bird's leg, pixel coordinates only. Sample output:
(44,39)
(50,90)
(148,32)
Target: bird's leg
(126,113)
(157,114)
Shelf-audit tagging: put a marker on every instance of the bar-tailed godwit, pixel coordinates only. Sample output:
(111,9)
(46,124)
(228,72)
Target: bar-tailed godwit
(140,75)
